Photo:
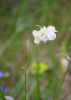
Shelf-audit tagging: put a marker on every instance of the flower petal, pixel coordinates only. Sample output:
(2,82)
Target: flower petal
(51,28)
(34,32)
(37,41)
(51,35)
(4,89)
(45,40)
(1,74)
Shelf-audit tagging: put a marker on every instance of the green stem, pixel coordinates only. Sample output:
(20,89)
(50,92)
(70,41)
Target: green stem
(17,91)
(27,64)
(25,72)
(56,97)
(25,84)
(37,78)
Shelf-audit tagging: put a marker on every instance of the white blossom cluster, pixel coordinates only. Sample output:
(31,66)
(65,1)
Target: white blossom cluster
(44,34)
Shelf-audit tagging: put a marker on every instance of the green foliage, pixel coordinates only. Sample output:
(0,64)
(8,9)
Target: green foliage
(17,20)
(42,67)
(2,97)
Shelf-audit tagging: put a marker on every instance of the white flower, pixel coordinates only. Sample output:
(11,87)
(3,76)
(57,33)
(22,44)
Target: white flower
(51,28)
(37,36)
(45,39)
(44,34)
(43,30)
(50,35)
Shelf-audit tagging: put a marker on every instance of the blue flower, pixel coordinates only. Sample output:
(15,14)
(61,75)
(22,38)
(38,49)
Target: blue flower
(4,89)
(1,74)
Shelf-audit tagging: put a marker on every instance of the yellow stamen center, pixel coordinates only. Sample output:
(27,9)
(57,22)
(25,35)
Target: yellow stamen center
(52,27)
(36,36)
(43,31)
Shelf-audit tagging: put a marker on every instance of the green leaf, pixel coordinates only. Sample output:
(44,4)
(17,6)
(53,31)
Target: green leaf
(2,95)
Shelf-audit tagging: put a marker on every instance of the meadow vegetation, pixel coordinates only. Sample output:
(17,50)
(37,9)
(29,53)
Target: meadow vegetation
(17,21)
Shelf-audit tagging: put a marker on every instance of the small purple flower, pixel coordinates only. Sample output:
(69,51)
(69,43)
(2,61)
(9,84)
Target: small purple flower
(1,74)
(4,89)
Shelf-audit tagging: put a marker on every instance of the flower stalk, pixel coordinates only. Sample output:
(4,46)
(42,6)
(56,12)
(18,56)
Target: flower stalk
(37,77)
(25,83)
(27,64)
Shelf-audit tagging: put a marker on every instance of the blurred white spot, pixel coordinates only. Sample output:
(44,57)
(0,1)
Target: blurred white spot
(7,74)
(65,63)
(8,98)
(67,56)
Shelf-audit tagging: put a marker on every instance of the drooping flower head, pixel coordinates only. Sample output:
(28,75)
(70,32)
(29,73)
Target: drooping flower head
(44,34)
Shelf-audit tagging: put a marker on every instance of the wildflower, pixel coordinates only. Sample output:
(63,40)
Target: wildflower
(50,35)
(45,39)
(43,30)
(37,36)
(51,28)
(44,34)
(1,74)
(4,89)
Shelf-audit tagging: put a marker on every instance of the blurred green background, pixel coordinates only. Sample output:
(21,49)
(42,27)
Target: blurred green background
(17,21)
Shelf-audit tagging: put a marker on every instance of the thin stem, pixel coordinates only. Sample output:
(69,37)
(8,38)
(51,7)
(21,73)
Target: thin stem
(37,77)
(25,84)
(29,52)
(17,91)
(25,72)
(38,26)
(60,84)
(27,64)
